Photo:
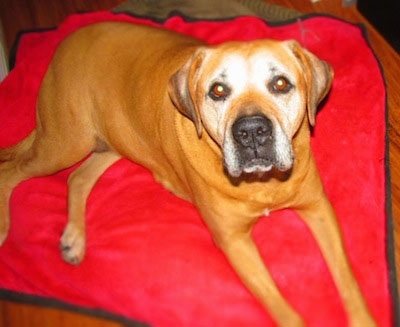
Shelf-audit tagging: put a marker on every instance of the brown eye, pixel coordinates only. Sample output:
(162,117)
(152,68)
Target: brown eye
(280,84)
(219,91)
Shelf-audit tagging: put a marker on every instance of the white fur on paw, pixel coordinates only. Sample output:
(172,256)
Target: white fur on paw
(73,243)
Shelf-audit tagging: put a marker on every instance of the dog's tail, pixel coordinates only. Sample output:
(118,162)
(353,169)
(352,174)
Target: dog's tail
(10,153)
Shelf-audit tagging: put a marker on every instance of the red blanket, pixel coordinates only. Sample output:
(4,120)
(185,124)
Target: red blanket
(149,256)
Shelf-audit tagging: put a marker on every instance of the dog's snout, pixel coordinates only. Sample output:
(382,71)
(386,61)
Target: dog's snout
(252,131)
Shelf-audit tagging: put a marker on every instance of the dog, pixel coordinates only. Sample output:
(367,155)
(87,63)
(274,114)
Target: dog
(226,127)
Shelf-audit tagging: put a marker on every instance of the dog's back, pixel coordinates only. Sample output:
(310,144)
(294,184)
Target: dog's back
(116,80)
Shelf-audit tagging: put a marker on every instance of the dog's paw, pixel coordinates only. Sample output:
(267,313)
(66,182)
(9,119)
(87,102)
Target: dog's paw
(73,244)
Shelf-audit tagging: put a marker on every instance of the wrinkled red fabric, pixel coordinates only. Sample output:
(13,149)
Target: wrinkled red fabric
(149,256)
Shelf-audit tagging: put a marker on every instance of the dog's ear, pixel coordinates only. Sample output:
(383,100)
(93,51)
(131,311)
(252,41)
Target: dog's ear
(318,77)
(182,89)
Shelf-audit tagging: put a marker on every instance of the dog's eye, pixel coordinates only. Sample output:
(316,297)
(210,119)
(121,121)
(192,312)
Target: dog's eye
(280,84)
(219,91)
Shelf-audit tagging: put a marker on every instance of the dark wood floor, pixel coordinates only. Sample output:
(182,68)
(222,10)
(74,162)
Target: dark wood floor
(19,15)
(21,315)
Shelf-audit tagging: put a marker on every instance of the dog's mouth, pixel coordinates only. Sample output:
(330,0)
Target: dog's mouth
(257,165)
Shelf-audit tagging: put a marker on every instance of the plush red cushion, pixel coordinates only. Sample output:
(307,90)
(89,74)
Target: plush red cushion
(149,256)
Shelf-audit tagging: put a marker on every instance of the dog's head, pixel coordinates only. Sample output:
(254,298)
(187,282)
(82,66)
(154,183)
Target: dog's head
(251,99)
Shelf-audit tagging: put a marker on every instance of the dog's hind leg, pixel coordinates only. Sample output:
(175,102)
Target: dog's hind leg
(42,153)
(10,176)
(80,183)
(7,156)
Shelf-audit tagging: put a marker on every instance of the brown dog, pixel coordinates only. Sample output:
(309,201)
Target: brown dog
(226,127)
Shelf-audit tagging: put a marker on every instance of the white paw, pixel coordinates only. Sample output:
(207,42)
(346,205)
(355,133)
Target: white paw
(73,244)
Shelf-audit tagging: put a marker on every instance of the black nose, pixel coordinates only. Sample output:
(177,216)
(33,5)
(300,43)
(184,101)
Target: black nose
(252,131)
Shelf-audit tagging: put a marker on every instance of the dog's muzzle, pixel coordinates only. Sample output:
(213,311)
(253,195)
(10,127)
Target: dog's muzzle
(256,146)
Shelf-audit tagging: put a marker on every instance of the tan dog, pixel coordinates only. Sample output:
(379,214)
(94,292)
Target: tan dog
(121,90)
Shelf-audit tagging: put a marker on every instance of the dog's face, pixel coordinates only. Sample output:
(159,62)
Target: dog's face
(251,99)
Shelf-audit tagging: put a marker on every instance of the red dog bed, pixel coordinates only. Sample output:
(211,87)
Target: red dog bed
(149,256)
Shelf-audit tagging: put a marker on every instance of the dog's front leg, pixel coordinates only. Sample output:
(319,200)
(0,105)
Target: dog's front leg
(244,257)
(322,222)
(232,234)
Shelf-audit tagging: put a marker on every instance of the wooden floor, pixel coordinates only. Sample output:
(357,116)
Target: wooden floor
(19,15)
(21,315)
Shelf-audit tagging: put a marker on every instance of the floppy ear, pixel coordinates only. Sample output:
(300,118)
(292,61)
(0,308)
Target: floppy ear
(318,76)
(182,89)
